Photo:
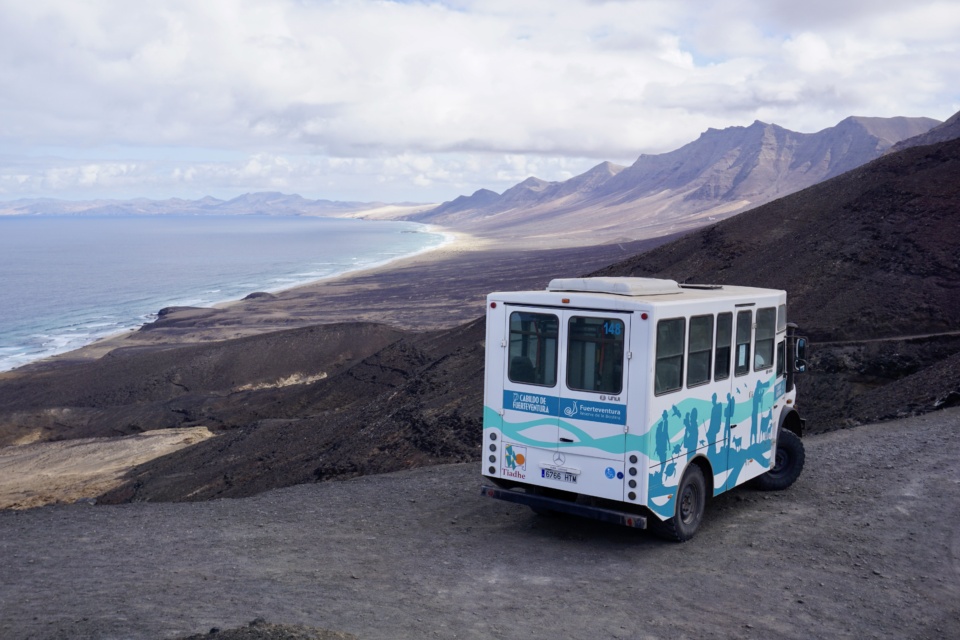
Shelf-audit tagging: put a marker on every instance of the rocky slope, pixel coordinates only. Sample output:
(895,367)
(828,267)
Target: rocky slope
(948,130)
(871,264)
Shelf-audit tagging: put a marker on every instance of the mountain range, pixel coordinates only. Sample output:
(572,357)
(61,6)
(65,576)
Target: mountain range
(720,174)
(260,203)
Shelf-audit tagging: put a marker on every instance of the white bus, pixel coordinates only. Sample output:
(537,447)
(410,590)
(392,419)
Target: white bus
(634,400)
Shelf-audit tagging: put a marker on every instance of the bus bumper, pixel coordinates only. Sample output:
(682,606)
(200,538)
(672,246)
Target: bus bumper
(622,518)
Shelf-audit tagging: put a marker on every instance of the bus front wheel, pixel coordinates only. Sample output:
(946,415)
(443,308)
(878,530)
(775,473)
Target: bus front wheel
(787,464)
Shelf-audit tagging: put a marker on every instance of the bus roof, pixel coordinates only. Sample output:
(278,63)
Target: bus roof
(630,290)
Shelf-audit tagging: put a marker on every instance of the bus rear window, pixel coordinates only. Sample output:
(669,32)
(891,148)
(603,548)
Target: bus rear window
(595,354)
(532,357)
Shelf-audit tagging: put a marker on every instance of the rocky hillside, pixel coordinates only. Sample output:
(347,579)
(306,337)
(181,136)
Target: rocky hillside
(871,264)
(943,132)
(720,174)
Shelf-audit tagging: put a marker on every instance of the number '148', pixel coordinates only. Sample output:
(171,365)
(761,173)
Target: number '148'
(613,328)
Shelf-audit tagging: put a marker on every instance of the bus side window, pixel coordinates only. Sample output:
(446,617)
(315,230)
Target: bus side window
(533,348)
(724,341)
(744,326)
(699,350)
(766,334)
(669,369)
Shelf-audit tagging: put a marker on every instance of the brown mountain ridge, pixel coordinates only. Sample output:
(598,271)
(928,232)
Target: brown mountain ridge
(721,173)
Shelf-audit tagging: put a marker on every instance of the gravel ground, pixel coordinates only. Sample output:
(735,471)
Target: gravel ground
(866,544)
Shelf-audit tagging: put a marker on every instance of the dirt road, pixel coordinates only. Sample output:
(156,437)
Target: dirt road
(866,544)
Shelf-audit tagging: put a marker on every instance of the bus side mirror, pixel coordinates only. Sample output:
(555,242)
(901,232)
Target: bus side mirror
(800,357)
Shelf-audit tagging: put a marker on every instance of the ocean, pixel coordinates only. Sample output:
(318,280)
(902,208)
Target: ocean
(67,281)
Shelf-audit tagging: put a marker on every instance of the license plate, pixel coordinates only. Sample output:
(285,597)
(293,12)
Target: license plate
(562,476)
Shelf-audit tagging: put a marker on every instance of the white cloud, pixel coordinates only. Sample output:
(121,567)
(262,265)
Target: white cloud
(321,97)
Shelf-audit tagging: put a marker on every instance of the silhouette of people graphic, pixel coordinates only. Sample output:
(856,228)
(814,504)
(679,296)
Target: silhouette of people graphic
(716,421)
(731,407)
(692,434)
(663,438)
(755,417)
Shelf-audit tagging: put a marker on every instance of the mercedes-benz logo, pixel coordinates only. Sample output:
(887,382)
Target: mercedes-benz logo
(559,459)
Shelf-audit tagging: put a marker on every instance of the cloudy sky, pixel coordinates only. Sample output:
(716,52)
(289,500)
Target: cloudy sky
(423,101)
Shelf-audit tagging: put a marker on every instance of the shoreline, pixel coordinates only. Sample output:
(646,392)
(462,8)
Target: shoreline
(450,239)
(439,287)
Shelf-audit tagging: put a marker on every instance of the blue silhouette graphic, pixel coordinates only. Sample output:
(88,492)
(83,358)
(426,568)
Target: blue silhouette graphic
(766,425)
(663,438)
(730,455)
(716,420)
(731,407)
(692,434)
(755,416)
(664,442)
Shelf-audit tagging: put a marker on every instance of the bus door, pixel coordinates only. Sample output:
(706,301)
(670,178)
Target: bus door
(531,395)
(593,388)
(748,409)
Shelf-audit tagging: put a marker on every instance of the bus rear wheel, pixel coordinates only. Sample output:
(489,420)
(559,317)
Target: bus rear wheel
(690,505)
(787,464)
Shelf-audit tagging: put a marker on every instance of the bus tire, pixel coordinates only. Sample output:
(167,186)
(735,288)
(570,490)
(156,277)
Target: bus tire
(788,463)
(690,505)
